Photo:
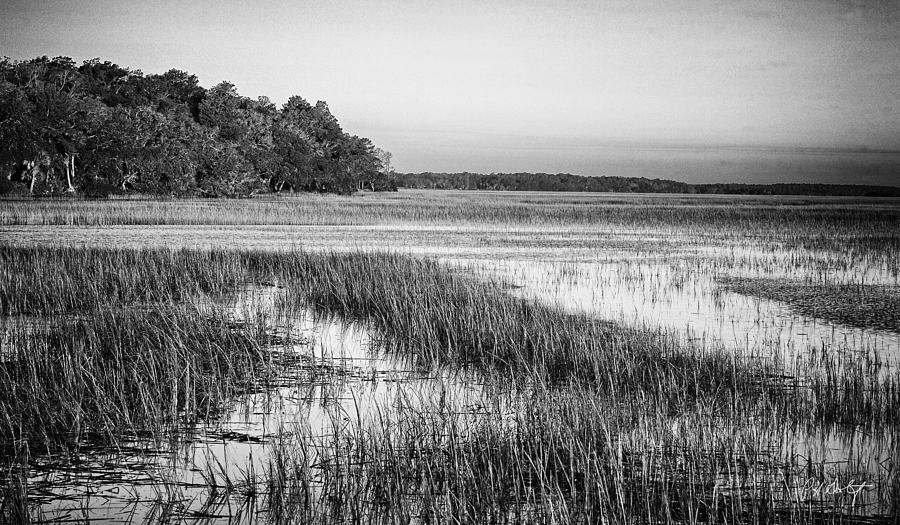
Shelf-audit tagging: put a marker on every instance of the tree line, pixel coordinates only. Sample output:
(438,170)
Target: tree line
(569,182)
(99,128)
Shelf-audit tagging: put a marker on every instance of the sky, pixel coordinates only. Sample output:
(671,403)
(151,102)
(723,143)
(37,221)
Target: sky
(595,88)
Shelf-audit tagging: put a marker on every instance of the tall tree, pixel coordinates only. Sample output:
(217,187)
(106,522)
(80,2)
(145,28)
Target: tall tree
(101,127)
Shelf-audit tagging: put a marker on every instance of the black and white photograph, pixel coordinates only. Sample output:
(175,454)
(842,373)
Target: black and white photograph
(618,262)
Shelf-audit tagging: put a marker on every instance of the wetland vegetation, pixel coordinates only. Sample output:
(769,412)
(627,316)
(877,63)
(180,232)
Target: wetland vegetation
(862,305)
(449,357)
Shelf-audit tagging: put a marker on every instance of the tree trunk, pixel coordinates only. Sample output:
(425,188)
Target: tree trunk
(70,171)
(33,170)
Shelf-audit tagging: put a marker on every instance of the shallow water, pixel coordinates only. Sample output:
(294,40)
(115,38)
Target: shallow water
(686,300)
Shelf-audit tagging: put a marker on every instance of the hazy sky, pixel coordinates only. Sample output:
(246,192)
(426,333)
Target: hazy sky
(518,85)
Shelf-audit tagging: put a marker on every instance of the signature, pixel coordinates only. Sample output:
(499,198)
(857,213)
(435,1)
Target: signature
(815,489)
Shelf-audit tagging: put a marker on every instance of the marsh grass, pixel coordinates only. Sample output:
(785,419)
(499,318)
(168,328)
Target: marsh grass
(121,373)
(107,348)
(602,422)
(568,456)
(115,378)
(437,316)
(40,281)
(441,317)
(859,305)
(424,311)
(803,216)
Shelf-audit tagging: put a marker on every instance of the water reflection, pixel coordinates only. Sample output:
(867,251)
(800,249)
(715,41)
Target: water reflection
(337,377)
(686,300)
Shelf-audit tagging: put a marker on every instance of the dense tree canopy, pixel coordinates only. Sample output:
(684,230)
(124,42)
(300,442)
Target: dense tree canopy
(100,128)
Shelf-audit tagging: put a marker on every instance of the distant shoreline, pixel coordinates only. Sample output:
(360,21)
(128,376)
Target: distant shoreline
(580,183)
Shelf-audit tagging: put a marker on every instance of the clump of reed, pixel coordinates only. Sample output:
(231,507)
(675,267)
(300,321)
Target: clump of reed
(14,505)
(44,281)
(121,373)
(859,305)
(564,456)
(437,316)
